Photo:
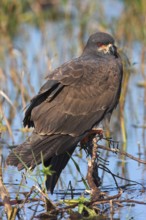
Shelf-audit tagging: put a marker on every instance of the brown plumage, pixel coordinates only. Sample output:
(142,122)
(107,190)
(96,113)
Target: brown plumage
(75,98)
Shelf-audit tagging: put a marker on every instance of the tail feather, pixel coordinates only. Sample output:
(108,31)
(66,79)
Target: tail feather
(29,152)
(53,148)
(57,163)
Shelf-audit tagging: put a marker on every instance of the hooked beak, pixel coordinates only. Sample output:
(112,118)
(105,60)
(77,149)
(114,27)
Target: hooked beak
(113,50)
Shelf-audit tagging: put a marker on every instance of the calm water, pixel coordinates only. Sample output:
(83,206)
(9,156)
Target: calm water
(35,52)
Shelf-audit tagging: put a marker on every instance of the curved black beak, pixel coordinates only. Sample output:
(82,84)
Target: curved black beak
(113,50)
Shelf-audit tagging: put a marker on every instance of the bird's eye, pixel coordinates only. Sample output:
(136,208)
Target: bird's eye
(99,44)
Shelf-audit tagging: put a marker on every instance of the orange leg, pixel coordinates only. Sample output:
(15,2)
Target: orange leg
(93,132)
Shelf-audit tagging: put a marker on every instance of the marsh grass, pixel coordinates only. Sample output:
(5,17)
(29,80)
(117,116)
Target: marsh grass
(84,204)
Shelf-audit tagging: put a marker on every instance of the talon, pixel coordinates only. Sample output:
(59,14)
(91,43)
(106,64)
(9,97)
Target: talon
(91,134)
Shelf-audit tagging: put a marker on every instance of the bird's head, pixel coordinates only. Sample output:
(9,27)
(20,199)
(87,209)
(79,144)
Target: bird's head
(101,43)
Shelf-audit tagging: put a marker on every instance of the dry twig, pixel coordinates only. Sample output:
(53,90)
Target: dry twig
(122,153)
(11,212)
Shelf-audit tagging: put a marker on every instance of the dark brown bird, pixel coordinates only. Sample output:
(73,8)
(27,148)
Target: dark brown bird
(75,98)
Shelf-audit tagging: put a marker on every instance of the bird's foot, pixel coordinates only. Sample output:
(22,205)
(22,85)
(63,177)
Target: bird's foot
(92,134)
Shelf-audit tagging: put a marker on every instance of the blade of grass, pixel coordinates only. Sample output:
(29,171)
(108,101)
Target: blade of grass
(78,169)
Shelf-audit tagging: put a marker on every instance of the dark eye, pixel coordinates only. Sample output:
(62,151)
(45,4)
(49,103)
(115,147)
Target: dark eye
(99,44)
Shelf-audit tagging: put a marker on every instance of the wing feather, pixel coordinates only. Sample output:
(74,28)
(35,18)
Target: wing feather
(77,96)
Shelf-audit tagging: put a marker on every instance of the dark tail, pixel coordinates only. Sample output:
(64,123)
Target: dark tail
(54,150)
(28,154)
(58,163)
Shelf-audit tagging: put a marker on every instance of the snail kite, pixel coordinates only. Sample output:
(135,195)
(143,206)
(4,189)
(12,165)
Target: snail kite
(75,98)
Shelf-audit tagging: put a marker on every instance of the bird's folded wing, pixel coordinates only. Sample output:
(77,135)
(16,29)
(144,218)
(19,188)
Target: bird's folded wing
(75,98)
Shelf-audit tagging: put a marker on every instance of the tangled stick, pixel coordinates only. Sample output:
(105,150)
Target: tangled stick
(122,153)
(96,196)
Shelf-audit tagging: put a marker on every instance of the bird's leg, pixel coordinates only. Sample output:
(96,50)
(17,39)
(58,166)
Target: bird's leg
(92,134)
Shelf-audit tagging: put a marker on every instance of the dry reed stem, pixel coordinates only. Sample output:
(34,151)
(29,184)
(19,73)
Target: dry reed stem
(48,203)
(11,212)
